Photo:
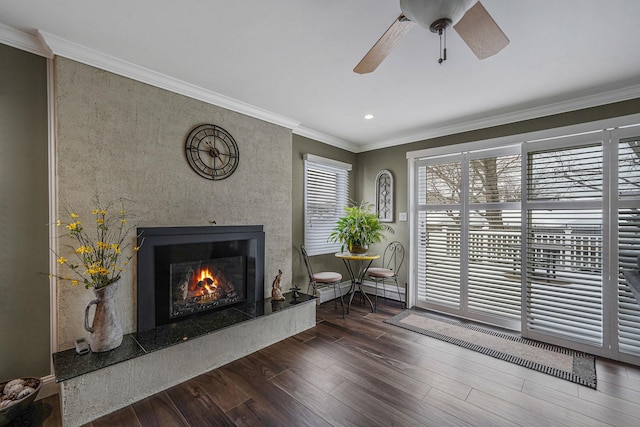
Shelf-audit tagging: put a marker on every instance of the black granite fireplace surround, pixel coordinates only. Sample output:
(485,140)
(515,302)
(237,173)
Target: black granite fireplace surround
(184,272)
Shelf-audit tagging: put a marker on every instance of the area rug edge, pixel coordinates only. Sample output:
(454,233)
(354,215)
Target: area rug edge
(581,360)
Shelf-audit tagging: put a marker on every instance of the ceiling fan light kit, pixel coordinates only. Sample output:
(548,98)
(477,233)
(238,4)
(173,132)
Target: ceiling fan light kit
(426,12)
(471,21)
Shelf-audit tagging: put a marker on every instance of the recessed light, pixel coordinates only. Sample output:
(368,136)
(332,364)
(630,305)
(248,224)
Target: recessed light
(368,116)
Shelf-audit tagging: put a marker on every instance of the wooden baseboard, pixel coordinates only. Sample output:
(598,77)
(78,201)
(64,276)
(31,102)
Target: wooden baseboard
(49,387)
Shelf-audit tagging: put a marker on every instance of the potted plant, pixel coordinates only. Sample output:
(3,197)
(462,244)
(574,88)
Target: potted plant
(358,229)
(100,250)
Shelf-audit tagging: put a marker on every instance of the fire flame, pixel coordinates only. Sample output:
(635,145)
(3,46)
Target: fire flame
(205,274)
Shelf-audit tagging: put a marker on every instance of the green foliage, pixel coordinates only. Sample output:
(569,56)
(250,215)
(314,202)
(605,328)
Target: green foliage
(359,227)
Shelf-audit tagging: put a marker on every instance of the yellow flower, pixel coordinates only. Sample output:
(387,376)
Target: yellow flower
(100,258)
(74,226)
(136,248)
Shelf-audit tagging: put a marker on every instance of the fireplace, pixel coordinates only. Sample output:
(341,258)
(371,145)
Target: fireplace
(186,272)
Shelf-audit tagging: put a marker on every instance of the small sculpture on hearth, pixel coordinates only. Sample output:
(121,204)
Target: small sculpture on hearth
(276,290)
(295,293)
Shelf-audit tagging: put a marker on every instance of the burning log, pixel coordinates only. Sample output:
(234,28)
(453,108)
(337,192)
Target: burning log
(181,292)
(224,284)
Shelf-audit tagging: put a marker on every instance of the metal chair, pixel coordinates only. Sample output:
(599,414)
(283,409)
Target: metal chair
(392,260)
(323,279)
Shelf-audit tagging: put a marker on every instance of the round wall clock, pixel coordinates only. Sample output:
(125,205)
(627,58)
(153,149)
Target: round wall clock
(212,152)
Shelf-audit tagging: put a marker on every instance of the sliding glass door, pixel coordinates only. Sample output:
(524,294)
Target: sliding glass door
(493,230)
(469,235)
(626,236)
(439,220)
(536,237)
(564,246)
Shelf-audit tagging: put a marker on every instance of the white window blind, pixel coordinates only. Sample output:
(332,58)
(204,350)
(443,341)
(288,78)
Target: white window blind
(564,242)
(439,198)
(469,234)
(494,235)
(326,193)
(579,211)
(628,242)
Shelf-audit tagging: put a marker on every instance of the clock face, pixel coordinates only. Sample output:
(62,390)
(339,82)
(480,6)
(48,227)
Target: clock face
(212,152)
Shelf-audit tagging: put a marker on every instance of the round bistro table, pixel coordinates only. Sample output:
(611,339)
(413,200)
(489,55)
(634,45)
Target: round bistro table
(357,265)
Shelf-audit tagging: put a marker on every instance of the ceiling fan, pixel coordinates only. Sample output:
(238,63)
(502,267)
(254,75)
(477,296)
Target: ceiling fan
(471,21)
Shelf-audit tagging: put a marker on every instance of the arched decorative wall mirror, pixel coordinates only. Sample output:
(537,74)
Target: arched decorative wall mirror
(384,196)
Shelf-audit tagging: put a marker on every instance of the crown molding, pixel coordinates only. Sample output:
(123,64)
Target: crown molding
(23,41)
(326,139)
(94,58)
(594,100)
(48,45)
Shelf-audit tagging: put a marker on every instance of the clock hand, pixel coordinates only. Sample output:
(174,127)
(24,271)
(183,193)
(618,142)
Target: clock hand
(213,152)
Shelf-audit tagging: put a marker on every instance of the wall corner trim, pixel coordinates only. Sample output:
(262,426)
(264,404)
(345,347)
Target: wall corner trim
(23,41)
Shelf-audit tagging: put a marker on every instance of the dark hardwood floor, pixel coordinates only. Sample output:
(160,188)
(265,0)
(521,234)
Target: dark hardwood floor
(361,371)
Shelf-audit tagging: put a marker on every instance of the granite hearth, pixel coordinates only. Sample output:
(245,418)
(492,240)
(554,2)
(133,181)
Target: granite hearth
(147,362)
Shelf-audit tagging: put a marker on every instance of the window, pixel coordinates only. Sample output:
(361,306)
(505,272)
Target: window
(564,239)
(326,193)
(628,226)
(468,224)
(439,231)
(534,234)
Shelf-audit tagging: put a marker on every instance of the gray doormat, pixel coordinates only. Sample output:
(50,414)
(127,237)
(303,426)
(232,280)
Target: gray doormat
(570,365)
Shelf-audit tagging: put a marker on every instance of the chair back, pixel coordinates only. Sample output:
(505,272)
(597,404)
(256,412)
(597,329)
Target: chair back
(393,257)
(306,262)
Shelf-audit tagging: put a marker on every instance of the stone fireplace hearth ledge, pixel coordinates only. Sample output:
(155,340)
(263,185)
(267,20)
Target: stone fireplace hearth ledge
(148,362)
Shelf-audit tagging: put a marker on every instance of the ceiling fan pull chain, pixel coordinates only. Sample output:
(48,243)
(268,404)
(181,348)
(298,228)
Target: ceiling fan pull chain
(444,51)
(442,32)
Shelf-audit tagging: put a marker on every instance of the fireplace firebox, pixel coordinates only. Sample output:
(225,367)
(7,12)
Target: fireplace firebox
(185,272)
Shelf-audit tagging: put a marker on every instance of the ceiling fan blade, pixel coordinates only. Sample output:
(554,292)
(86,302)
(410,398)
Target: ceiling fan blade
(480,32)
(384,45)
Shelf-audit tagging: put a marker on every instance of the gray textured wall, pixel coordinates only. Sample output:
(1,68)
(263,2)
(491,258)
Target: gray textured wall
(24,293)
(120,138)
(394,160)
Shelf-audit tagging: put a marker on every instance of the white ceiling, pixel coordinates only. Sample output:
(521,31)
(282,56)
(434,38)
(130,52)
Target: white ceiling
(292,60)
